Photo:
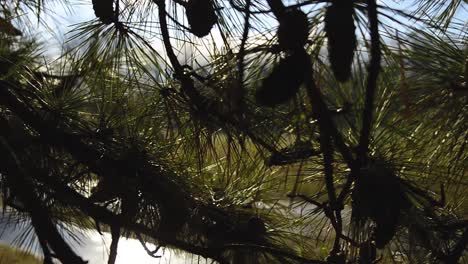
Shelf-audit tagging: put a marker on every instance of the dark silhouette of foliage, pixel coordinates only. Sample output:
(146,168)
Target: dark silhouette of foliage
(242,132)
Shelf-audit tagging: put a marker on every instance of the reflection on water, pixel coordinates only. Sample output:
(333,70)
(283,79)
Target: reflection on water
(92,246)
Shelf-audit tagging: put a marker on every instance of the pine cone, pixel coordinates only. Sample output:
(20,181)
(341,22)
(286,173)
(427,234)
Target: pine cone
(284,81)
(201,16)
(339,28)
(104,10)
(378,195)
(293,30)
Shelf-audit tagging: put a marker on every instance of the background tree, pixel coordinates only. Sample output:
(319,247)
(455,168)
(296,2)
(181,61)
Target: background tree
(305,132)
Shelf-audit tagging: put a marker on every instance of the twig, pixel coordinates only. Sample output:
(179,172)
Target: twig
(289,157)
(304,197)
(320,111)
(424,194)
(294,6)
(180,2)
(327,150)
(373,74)
(241,54)
(98,227)
(115,234)
(151,253)
(45,251)
(273,251)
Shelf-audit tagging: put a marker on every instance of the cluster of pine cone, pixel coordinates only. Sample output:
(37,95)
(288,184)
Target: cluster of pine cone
(288,75)
(200,14)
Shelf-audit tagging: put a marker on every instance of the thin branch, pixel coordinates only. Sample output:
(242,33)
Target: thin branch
(115,235)
(45,251)
(373,74)
(287,156)
(320,111)
(323,116)
(151,253)
(304,197)
(294,6)
(241,54)
(72,198)
(327,150)
(273,251)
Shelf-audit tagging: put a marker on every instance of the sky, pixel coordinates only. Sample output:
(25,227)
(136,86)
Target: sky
(60,20)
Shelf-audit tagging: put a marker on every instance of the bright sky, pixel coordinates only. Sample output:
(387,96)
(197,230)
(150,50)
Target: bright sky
(61,20)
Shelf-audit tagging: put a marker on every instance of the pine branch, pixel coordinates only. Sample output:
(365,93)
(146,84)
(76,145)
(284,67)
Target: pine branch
(320,111)
(101,163)
(151,253)
(189,88)
(273,251)
(241,54)
(40,218)
(373,74)
(70,197)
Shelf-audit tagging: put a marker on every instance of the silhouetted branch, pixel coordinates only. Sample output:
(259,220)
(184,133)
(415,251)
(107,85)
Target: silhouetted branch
(72,198)
(291,155)
(273,251)
(115,235)
(241,55)
(151,253)
(320,111)
(102,164)
(45,250)
(373,74)
(40,219)
(277,7)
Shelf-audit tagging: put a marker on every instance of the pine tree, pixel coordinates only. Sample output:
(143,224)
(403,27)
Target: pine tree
(258,151)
